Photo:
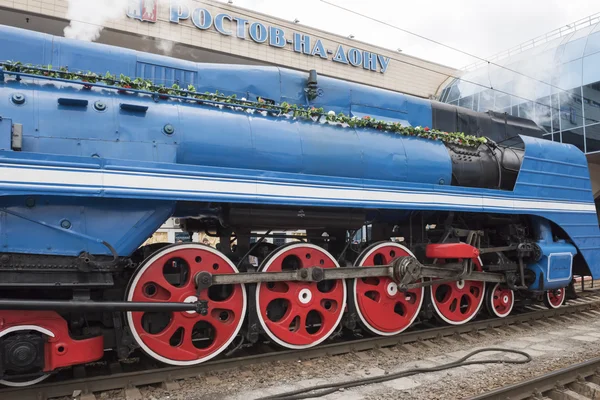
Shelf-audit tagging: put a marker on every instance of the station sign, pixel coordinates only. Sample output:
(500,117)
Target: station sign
(245,29)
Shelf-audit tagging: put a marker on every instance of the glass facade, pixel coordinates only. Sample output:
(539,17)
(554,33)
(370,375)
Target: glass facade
(556,84)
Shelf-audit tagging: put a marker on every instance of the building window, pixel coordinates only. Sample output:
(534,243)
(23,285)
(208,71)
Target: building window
(574,137)
(592,138)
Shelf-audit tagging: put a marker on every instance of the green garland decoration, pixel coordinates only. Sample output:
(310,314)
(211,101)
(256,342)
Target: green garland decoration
(123,82)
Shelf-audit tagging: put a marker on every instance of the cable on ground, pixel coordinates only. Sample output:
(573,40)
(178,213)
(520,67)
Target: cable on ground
(325,389)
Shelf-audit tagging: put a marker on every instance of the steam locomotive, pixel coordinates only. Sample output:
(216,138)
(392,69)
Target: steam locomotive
(92,164)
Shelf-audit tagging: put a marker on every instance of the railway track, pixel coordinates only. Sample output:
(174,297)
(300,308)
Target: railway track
(576,382)
(104,376)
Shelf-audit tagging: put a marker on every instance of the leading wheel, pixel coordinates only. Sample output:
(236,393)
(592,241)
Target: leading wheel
(499,300)
(554,298)
(299,315)
(383,309)
(185,338)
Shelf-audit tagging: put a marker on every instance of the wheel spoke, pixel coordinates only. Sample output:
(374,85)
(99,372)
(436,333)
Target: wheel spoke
(161,282)
(230,303)
(289,317)
(445,305)
(473,300)
(332,295)
(267,295)
(166,334)
(187,345)
(283,326)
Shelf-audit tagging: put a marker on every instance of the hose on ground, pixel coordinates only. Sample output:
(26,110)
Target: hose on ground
(325,389)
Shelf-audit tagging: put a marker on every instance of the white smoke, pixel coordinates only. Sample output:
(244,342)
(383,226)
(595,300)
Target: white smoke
(88,18)
(526,77)
(166,46)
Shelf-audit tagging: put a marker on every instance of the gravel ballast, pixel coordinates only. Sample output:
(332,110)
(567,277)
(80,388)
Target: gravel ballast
(553,344)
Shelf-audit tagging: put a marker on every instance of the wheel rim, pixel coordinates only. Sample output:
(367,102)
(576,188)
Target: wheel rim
(555,297)
(185,338)
(501,300)
(457,302)
(299,315)
(381,308)
(23,383)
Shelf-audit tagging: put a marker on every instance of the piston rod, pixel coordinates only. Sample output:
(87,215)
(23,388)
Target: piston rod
(83,305)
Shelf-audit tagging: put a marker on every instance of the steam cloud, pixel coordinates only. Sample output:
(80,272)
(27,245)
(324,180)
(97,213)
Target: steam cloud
(166,46)
(88,18)
(522,78)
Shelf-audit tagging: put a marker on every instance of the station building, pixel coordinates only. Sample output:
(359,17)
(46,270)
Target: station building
(553,80)
(217,32)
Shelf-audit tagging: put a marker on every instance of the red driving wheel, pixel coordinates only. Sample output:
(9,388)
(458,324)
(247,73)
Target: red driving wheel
(298,315)
(554,298)
(457,303)
(381,308)
(185,338)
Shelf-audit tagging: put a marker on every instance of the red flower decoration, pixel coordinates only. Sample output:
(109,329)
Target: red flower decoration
(426,129)
(366,117)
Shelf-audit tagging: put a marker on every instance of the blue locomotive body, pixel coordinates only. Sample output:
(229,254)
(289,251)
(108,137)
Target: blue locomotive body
(98,166)
(90,168)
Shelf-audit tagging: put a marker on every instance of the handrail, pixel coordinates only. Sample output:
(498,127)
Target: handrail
(537,41)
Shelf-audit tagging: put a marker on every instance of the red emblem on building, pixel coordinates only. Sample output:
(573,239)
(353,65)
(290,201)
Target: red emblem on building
(144,10)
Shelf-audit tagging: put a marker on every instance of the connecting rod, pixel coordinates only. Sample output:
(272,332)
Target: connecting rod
(406,271)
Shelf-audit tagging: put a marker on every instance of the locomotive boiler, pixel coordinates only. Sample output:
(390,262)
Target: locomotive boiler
(100,145)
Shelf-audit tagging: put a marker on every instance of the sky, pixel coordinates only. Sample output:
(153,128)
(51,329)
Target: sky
(479,27)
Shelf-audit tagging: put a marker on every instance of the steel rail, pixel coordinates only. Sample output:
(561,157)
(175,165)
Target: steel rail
(125,380)
(545,383)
